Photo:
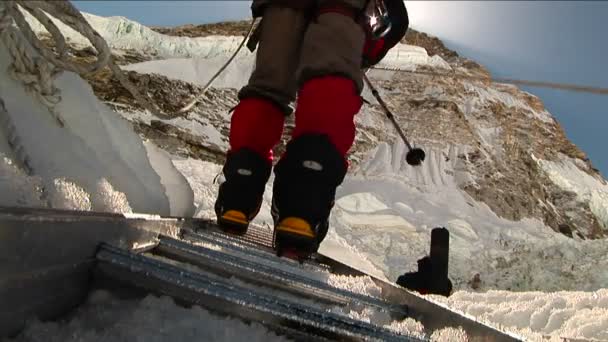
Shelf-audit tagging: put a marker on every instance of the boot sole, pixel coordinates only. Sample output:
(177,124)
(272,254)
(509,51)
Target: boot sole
(233,222)
(294,238)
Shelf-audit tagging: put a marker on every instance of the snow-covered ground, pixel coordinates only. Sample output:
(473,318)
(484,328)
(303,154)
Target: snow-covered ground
(389,208)
(529,279)
(105,318)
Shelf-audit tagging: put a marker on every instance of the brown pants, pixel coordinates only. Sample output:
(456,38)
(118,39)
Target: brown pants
(294,49)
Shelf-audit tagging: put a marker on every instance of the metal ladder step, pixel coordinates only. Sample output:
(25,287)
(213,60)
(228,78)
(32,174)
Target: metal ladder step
(237,245)
(256,234)
(298,320)
(283,279)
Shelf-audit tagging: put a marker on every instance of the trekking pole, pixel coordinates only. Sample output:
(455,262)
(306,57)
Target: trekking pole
(415,155)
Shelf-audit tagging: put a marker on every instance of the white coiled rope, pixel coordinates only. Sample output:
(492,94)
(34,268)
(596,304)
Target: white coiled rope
(37,73)
(37,68)
(19,71)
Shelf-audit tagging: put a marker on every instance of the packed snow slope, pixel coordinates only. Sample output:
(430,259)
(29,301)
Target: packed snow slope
(519,199)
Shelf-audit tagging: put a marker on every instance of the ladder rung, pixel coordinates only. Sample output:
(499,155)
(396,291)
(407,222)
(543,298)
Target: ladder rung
(280,278)
(221,296)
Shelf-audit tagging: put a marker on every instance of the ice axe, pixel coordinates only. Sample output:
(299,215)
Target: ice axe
(415,155)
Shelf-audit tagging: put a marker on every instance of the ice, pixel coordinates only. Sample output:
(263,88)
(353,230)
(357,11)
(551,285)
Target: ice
(177,190)
(94,144)
(17,188)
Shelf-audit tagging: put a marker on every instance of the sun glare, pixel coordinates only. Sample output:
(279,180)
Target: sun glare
(373,20)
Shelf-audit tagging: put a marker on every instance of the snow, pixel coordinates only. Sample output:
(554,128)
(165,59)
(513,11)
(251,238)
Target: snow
(534,315)
(108,319)
(581,315)
(112,201)
(409,202)
(200,176)
(63,194)
(361,285)
(17,188)
(494,93)
(408,57)
(340,249)
(201,128)
(123,34)
(200,69)
(568,176)
(69,196)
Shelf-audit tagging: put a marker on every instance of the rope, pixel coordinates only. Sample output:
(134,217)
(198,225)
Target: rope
(542,84)
(37,73)
(6,121)
(197,98)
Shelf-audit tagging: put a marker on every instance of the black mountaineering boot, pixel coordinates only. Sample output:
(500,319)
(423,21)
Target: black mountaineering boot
(240,196)
(304,190)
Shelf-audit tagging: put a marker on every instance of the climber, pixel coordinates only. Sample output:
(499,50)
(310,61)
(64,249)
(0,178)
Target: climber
(319,49)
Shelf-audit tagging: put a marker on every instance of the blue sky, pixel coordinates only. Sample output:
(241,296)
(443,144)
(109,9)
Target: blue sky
(169,13)
(556,41)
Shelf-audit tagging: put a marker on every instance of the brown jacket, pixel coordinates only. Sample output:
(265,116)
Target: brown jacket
(257,7)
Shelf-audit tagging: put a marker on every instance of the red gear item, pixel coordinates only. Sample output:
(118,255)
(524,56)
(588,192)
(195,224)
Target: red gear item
(327,105)
(256,124)
(373,51)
